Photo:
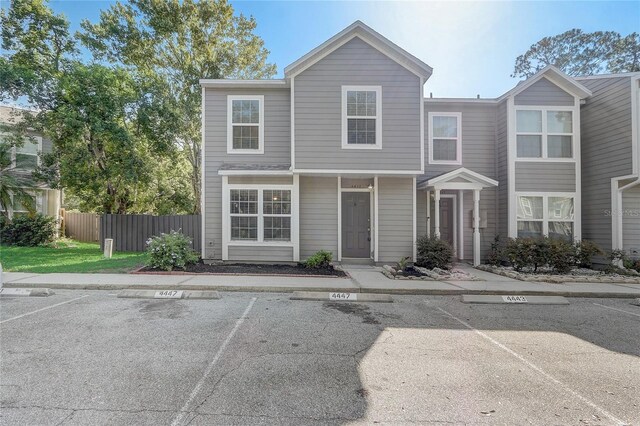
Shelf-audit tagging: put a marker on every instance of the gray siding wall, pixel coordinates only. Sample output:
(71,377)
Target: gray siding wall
(542,177)
(502,171)
(318,111)
(631,221)
(395,218)
(318,215)
(261,254)
(606,152)
(544,92)
(277,150)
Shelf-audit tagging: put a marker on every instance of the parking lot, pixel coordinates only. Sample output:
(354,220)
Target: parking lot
(87,357)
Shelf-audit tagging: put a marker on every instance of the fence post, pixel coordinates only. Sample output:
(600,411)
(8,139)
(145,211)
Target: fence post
(108,247)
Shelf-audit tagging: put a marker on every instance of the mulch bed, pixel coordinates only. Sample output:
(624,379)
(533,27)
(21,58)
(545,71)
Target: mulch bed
(249,269)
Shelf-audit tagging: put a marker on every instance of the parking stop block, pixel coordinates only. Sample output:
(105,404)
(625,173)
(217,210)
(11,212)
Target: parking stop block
(25,292)
(515,299)
(168,294)
(335,296)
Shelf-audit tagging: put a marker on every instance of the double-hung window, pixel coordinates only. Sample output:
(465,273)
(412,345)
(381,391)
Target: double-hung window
(445,138)
(245,124)
(260,215)
(539,215)
(544,133)
(361,117)
(25,157)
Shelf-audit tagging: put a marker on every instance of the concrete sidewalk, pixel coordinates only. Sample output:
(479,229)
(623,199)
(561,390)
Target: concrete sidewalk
(361,280)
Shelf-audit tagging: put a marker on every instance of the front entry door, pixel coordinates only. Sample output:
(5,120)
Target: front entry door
(356,220)
(446,220)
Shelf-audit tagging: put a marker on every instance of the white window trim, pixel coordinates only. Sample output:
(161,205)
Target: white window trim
(545,211)
(458,139)
(544,134)
(14,151)
(378,117)
(230,124)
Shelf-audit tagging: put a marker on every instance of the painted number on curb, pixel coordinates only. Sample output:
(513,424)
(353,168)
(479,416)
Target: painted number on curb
(343,296)
(168,294)
(15,291)
(515,299)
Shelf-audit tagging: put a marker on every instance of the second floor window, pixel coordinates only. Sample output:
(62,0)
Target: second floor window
(245,134)
(361,117)
(445,138)
(27,155)
(542,133)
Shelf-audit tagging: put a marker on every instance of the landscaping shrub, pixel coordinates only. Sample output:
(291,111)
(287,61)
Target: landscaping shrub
(519,252)
(28,231)
(495,253)
(561,255)
(433,252)
(320,259)
(585,252)
(616,259)
(403,263)
(170,251)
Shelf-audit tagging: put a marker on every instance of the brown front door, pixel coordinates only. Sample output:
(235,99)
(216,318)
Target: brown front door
(356,224)
(446,220)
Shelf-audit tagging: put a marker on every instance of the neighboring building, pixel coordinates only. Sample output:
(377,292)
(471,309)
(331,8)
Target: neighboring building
(25,159)
(345,154)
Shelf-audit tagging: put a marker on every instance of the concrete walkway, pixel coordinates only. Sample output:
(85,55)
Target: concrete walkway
(361,280)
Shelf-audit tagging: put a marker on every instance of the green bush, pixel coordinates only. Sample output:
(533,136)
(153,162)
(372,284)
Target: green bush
(495,253)
(320,259)
(170,251)
(585,252)
(28,231)
(433,252)
(519,252)
(562,255)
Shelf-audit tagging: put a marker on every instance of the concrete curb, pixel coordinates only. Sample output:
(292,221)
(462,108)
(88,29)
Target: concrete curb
(326,296)
(151,294)
(31,292)
(290,289)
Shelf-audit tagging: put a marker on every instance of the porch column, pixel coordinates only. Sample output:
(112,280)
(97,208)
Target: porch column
(428,213)
(476,227)
(436,214)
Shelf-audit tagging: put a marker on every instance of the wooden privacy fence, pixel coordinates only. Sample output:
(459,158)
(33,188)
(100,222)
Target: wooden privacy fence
(130,232)
(83,227)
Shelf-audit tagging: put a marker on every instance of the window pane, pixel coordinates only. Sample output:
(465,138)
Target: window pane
(361,103)
(529,146)
(28,147)
(277,228)
(528,229)
(561,230)
(445,127)
(244,201)
(246,137)
(529,207)
(245,111)
(445,150)
(560,208)
(559,122)
(276,201)
(361,131)
(559,147)
(244,228)
(529,121)
(26,161)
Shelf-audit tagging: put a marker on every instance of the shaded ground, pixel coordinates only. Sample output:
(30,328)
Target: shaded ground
(256,269)
(264,359)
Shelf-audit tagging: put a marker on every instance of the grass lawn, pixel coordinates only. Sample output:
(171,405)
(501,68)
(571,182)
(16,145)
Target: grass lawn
(67,256)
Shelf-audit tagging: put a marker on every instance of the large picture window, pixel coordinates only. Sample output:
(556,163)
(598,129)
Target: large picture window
(539,215)
(361,117)
(245,131)
(261,215)
(445,138)
(544,133)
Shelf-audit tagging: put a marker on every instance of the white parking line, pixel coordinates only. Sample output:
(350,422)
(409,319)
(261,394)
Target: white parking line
(213,362)
(536,369)
(616,309)
(43,309)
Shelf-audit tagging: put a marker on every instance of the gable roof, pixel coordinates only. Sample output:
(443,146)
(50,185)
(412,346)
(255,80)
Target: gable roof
(460,175)
(555,76)
(369,36)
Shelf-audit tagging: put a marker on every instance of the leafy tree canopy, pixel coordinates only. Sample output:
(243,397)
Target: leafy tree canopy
(578,53)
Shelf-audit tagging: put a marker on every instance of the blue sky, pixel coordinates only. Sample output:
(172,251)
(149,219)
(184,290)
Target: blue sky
(472,46)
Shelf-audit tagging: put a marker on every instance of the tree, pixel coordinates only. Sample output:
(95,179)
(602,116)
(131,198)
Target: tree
(180,41)
(578,53)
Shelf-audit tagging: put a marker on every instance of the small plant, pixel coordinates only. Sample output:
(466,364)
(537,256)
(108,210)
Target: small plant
(28,231)
(518,252)
(495,253)
(320,259)
(617,258)
(561,255)
(433,252)
(170,251)
(403,263)
(585,252)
